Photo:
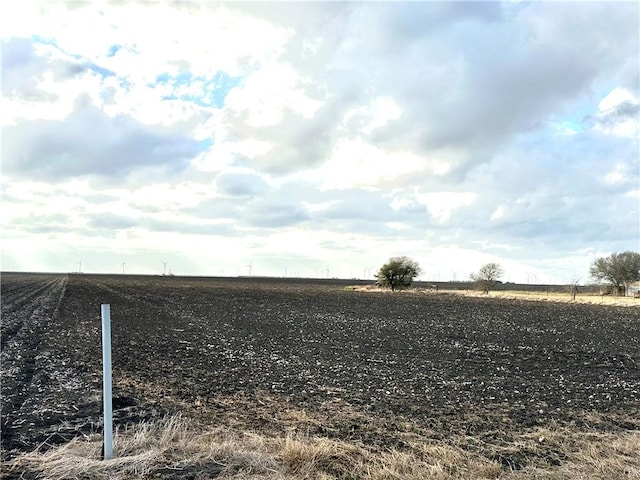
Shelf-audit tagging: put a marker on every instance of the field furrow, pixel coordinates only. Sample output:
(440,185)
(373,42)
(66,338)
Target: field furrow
(27,315)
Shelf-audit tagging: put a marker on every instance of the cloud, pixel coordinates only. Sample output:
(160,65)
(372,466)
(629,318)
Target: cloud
(111,221)
(358,205)
(472,76)
(249,210)
(241,184)
(20,69)
(41,224)
(88,142)
(440,129)
(295,142)
(110,224)
(619,114)
(24,68)
(274,215)
(469,90)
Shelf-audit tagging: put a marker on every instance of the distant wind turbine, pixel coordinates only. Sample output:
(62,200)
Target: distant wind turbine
(250,266)
(164,272)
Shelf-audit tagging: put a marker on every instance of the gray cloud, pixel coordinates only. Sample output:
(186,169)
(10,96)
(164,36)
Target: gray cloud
(114,222)
(274,215)
(299,142)
(39,224)
(217,208)
(621,113)
(23,68)
(272,210)
(189,227)
(468,78)
(88,142)
(554,195)
(472,89)
(487,85)
(241,184)
(367,212)
(360,205)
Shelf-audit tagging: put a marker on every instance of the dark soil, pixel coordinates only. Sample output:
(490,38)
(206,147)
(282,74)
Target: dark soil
(374,365)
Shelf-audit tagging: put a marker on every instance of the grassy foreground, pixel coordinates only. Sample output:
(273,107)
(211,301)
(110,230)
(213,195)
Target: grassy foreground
(176,447)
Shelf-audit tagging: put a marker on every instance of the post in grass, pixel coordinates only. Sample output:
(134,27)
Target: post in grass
(106,381)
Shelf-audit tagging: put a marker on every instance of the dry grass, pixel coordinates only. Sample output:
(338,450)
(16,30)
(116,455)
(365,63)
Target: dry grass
(597,456)
(176,447)
(594,299)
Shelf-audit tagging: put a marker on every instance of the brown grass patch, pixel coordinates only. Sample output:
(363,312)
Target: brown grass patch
(592,299)
(176,447)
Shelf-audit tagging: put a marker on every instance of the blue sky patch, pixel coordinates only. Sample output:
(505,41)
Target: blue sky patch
(223,85)
(100,70)
(215,89)
(43,40)
(113,49)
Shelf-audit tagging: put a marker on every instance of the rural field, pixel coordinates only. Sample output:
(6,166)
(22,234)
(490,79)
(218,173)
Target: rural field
(283,379)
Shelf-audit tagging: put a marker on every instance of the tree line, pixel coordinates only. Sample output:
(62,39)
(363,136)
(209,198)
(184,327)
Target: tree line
(617,270)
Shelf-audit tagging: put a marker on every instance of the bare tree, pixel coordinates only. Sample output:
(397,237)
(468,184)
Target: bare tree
(488,276)
(573,287)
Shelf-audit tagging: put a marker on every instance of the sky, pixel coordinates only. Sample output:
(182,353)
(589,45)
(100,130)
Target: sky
(319,139)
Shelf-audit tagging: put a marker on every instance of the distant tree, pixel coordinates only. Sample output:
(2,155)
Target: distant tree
(488,276)
(398,272)
(572,288)
(618,270)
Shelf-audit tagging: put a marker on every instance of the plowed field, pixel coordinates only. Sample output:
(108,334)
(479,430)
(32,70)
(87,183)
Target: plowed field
(366,366)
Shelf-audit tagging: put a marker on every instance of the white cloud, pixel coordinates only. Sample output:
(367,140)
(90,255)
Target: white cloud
(356,163)
(377,113)
(319,134)
(442,204)
(619,175)
(266,93)
(615,98)
(619,114)
(498,213)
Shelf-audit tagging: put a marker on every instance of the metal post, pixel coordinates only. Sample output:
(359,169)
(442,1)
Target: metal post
(106,381)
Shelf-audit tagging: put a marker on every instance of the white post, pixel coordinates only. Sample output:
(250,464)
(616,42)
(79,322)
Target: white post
(106,381)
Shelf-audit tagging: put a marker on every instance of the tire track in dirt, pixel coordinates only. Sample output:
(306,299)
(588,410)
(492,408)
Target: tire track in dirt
(51,375)
(27,310)
(18,301)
